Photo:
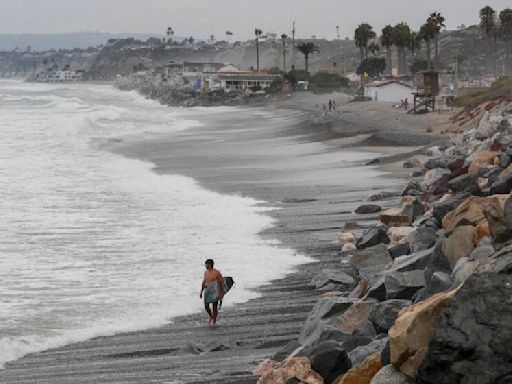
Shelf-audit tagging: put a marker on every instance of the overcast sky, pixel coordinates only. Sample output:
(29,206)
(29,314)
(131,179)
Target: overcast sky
(201,18)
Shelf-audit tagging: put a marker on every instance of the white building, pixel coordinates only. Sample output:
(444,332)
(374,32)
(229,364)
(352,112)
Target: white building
(388,91)
(66,75)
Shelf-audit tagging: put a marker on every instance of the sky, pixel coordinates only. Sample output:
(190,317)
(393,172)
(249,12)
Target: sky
(202,18)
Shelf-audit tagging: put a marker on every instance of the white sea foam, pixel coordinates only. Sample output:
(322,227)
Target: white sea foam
(93,243)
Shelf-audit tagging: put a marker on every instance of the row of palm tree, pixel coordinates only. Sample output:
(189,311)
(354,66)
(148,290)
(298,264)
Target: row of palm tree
(403,38)
(498,27)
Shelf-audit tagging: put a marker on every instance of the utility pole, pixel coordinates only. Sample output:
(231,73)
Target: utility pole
(338,32)
(293,44)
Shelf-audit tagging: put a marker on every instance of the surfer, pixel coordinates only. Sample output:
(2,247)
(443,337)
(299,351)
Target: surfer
(213,289)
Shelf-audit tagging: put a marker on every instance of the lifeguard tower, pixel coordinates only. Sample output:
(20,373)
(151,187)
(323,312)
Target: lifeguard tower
(427,88)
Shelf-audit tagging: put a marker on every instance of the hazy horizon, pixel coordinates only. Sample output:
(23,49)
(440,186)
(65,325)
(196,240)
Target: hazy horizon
(204,18)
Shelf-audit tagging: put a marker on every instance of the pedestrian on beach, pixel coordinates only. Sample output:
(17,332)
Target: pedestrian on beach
(333,106)
(406,103)
(330,105)
(325,110)
(213,288)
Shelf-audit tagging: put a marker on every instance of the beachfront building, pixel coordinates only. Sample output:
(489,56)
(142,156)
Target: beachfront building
(243,81)
(391,91)
(64,76)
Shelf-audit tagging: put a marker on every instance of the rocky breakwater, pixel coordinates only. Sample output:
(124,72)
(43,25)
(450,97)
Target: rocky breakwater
(186,97)
(424,295)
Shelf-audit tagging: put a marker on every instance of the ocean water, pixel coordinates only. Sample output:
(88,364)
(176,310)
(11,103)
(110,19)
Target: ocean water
(92,243)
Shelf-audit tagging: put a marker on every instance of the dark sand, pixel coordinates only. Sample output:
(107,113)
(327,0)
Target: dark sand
(274,154)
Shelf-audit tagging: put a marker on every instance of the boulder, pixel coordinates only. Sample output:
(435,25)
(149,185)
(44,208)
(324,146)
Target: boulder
(459,244)
(437,162)
(483,250)
(471,343)
(373,236)
(385,355)
(347,237)
(432,176)
(415,261)
(410,186)
(440,210)
(383,195)
(376,256)
(327,276)
(348,247)
(395,217)
(360,290)
(377,289)
(323,316)
(439,282)
(422,239)
(438,260)
(471,211)
(403,285)
(399,250)
(412,163)
(355,316)
(357,355)
(383,315)
(330,360)
(365,330)
(502,185)
(399,235)
(410,335)
(364,372)
(463,183)
(367,209)
(412,206)
(482,231)
(482,160)
(463,269)
(504,160)
(297,367)
(390,375)
(499,218)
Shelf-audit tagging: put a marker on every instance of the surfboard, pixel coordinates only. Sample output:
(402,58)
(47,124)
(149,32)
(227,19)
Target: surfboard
(212,292)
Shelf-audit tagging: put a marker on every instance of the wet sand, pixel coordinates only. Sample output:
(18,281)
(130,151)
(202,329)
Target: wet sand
(312,172)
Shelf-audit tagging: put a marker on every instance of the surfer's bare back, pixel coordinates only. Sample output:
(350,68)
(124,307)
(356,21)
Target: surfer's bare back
(213,290)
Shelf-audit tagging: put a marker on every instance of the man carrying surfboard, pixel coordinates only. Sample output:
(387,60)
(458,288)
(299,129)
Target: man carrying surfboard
(213,287)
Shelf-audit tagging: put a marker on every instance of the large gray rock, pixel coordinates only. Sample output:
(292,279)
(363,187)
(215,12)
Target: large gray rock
(366,209)
(399,250)
(439,162)
(459,244)
(502,185)
(411,262)
(422,238)
(439,282)
(472,341)
(329,359)
(483,250)
(439,210)
(377,289)
(328,276)
(373,236)
(438,260)
(376,256)
(463,183)
(359,354)
(390,375)
(403,285)
(383,315)
(323,317)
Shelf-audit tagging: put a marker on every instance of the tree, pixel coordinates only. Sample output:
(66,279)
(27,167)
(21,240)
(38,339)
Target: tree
(307,49)
(169,33)
(418,66)
(414,43)
(228,35)
(386,40)
(373,48)
(373,67)
(402,38)
(437,21)
(284,37)
(362,35)
(427,32)
(506,32)
(257,33)
(489,26)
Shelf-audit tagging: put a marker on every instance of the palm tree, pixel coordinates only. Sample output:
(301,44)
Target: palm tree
(427,32)
(284,37)
(169,33)
(362,35)
(506,31)
(228,34)
(415,43)
(386,40)
(489,26)
(438,21)
(257,33)
(402,38)
(373,47)
(307,49)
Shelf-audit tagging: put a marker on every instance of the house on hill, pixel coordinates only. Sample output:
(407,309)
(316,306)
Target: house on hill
(391,91)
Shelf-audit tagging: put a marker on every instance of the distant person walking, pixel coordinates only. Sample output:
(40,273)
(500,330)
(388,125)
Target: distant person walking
(406,104)
(213,289)
(333,106)
(330,105)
